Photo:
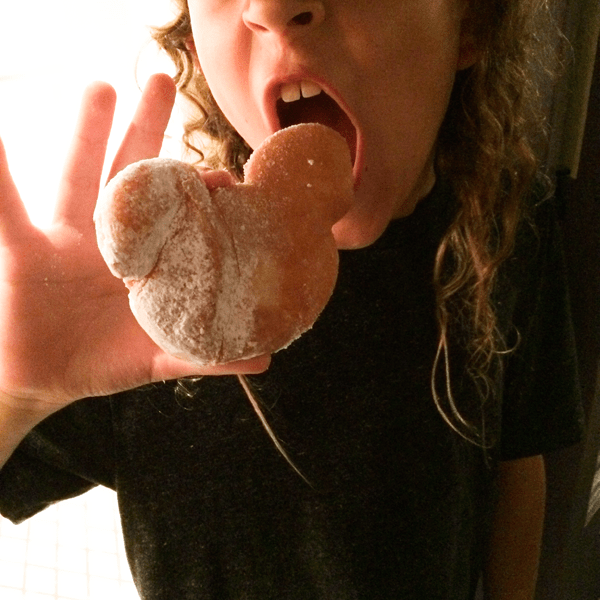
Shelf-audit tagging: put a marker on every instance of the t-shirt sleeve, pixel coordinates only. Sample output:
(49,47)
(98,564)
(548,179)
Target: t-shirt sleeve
(542,409)
(64,456)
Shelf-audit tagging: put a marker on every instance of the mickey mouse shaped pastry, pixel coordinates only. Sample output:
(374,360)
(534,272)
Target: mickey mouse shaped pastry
(234,272)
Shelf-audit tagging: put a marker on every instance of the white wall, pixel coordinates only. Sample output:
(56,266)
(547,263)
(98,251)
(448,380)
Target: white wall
(49,52)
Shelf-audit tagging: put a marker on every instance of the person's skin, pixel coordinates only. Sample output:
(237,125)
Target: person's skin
(512,565)
(391,64)
(66,329)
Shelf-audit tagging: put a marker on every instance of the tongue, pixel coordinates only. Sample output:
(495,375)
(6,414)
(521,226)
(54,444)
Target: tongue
(319,109)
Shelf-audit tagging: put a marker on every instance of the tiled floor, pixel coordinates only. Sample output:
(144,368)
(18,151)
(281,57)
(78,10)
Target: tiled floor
(71,551)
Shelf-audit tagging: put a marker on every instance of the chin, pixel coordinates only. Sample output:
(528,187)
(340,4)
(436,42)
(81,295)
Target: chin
(358,230)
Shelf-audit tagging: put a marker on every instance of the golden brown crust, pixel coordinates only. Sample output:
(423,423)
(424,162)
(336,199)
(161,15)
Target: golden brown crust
(237,272)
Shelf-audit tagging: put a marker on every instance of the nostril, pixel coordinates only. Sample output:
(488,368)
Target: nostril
(283,18)
(304,18)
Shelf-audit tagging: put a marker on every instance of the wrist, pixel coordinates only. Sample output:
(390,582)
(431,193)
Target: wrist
(16,421)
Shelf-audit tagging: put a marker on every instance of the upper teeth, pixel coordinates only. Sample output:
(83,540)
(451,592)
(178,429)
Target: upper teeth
(290,92)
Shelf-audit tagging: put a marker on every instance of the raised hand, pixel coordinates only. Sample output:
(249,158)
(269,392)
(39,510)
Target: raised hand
(66,330)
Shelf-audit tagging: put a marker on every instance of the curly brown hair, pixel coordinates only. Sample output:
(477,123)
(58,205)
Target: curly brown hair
(230,151)
(485,151)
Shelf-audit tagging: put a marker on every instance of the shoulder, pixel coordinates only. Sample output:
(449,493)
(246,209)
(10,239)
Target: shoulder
(541,390)
(538,239)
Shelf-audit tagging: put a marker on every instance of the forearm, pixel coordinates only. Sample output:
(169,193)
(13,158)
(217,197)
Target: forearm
(511,570)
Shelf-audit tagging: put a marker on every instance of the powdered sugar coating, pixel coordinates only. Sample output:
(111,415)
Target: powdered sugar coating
(237,272)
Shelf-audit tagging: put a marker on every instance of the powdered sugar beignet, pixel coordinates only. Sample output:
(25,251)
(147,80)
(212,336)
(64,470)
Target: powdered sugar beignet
(237,272)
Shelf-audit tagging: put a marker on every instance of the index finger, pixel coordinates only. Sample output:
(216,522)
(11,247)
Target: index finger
(145,135)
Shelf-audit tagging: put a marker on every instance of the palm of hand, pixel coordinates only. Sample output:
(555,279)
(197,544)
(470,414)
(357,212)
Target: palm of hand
(68,314)
(66,330)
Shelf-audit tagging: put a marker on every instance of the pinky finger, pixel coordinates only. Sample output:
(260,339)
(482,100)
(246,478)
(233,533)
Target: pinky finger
(13,215)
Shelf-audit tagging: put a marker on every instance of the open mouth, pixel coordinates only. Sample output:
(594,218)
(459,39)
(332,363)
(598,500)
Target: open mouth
(319,108)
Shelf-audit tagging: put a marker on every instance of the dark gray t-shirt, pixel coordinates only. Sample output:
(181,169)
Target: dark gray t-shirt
(399,505)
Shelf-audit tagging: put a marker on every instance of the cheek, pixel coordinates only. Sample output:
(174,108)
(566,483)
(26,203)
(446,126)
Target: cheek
(225,60)
(219,48)
(218,63)
(221,75)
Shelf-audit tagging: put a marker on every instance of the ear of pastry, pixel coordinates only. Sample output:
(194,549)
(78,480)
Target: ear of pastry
(309,163)
(140,209)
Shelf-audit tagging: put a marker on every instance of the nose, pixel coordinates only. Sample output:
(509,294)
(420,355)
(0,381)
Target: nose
(283,16)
